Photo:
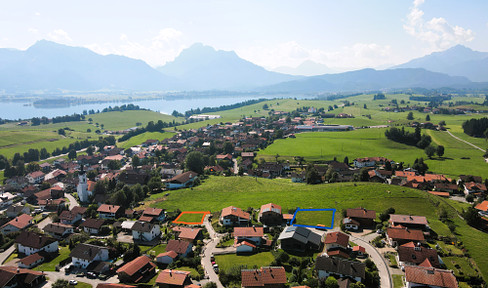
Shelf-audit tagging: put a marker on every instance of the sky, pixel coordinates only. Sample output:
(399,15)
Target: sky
(345,35)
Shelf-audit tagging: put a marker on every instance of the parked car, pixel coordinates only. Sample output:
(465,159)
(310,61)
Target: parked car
(73,282)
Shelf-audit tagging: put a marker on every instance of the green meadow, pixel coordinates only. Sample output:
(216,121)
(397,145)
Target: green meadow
(314,218)
(216,193)
(121,120)
(141,138)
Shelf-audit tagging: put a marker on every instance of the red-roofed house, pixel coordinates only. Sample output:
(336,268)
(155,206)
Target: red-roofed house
(250,234)
(35,177)
(416,255)
(483,207)
(270,214)
(106,211)
(156,213)
(245,247)
(364,217)
(189,234)
(181,181)
(399,236)
(336,240)
(169,278)
(166,257)
(474,188)
(416,276)
(272,277)
(182,248)
(233,216)
(30,261)
(138,270)
(18,223)
(414,222)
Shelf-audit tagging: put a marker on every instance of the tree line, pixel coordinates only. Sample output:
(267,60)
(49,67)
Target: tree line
(476,127)
(409,138)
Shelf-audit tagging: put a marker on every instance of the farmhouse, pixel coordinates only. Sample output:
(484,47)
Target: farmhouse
(35,177)
(233,216)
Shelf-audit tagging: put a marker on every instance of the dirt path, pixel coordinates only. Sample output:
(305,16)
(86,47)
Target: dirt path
(459,139)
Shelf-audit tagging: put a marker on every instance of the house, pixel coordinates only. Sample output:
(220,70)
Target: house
(11,276)
(270,214)
(139,270)
(412,254)
(69,217)
(85,254)
(474,188)
(58,230)
(18,223)
(35,177)
(31,261)
(182,248)
(189,234)
(351,224)
(233,216)
(364,217)
(169,278)
(301,239)
(272,277)
(6,199)
(106,211)
(359,250)
(250,234)
(416,276)
(224,157)
(245,247)
(409,221)
(370,161)
(183,180)
(482,208)
(145,232)
(156,213)
(336,240)
(166,257)
(399,236)
(92,226)
(328,266)
(14,211)
(31,242)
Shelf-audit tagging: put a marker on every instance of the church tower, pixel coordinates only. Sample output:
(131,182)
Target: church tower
(82,187)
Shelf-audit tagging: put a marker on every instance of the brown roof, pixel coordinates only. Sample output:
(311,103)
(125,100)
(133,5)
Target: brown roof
(135,265)
(56,227)
(183,177)
(235,211)
(172,277)
(270,207)
(34,240)
(408,219)
(405,234)
(337,237)
(114,285)
(171,254)
(417,255)
(263,276)
(31,259)
(20,222)
(152,211)
(93,223)
(430,276)
(105,208)
(36,174)
(483,206)
(79,210)
(7,273)
(248,232)
(179,246)
(186,232)
(361,213)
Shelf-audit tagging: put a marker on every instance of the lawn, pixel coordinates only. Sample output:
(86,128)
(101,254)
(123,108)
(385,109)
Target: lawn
(190,217)
(11,257)
(193,272)
(314,218)
(252,192)
(448,248)
(121,120)
(82,285)
(161,248)
(465,266)
(397,281)
(50,266)
(250,261)
(141,138)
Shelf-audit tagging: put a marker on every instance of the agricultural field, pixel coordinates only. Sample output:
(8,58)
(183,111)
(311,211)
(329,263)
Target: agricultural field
(121,120)
(252,192)
(190,217)
(314,218)
(141,138)
(250,261)
(314,146)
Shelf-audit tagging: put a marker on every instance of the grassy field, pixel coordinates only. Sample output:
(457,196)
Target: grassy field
(50,266)
(372,142)
(141,138)
(157,250)
(465,266)
(314,218)
(127,119)
(250,261)
(189,217)
(215,192)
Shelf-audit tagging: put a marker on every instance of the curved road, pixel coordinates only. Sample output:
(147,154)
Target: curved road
(209,247)
(459,139)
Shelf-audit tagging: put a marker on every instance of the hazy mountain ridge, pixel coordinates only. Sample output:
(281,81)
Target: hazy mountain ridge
(456,61)
(307,68)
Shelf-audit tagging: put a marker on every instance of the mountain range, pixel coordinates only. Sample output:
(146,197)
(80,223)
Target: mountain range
(307,68)
(52,67)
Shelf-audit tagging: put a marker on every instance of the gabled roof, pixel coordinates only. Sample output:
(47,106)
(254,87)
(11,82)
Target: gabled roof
(248,232)
(31,259)
(405,234)
(361,213)
(141,226)
(172,277)
(152,211)
(137,264)
(340,266)
(263,276)
(20,221)
(408,219)
(187,232)
(483,206)
(171,254)
(337,238)
(270,207)
(57,227)
(184,177)
(93,223)
(430,276)
(179,246)
(235,211)
(301,234)
(34,240)
(418,255)
(105,208)
(85,251)
(26,276)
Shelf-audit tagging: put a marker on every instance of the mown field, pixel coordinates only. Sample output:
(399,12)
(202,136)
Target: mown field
(141,138)
(219,192)
(314,218)
(372,142)
(127,119)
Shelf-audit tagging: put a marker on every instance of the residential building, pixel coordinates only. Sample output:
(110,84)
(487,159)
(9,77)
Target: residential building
(233,216)
(270,214)
(166,257)
(169,278)
(364,217)
(69,217)
(253,235)
(35,177)
(14,211)
(413,254)
(11,276)
(189,234)
(182,248)
(272,277)
(106,211)
(31,261)
(182,180)
(156,213)
(417,276)
(145,232)
(18,223)
(398,236)
(85,254)
(300,239)
(139,270)
(58,230)
(329,266)
(483,208)
(31,242)
(336,240)
(92,226)
(409,221)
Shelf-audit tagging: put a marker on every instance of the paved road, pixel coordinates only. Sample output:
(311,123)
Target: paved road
(44,222)
(53,276)
(209,248)
(4,255)
(384,271)
(72,201)
(459,139)
(236,167)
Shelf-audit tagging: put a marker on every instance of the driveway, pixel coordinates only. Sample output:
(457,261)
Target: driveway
(72,201)
(53,276)
(5,254)
(208,252)
(44,222)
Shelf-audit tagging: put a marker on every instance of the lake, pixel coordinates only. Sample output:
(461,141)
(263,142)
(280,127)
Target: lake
(26,110)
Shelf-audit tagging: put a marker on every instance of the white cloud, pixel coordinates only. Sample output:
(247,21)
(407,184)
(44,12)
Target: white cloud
(59,35)
(436,31)
(37,14)
(292,54)
(33,30)
(155,51)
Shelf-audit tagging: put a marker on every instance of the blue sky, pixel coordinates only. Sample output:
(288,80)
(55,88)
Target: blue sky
(342,34)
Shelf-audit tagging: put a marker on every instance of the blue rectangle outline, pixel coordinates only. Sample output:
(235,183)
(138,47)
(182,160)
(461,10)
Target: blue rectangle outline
(311,226)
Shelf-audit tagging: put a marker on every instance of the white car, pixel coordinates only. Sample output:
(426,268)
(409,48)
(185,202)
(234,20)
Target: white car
(73,282)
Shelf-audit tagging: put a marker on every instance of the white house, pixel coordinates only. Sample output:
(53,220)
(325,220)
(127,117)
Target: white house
(30,261)
(58,230)
(145,232)
(6,199)
(84,254)
(250,234)
(30,242)
(181,181)
(350,224)
(35,177)
(166,257)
